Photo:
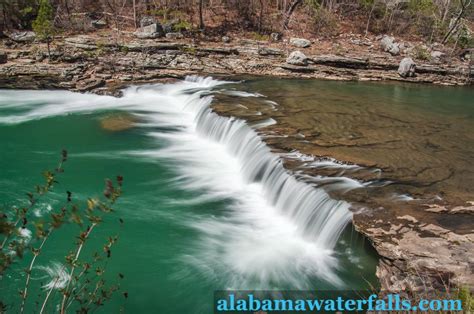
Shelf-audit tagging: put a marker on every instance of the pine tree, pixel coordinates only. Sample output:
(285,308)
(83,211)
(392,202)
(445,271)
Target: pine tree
(43,25)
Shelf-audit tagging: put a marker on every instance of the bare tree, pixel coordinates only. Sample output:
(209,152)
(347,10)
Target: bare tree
(135,13)
(289,11)
(201,18)
(464,5)
(370,16)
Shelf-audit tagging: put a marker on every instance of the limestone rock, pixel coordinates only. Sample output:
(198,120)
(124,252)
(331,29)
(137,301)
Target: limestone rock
(174,35)
(23,37)
(300,42)
(297,58)
(150,31)
(270,52)
(407,68)
(3,57)
(275,36)
(99,24)
(90,84)
(394,49)
(434,208)
(389,45)
(409,218)
(437,230)
(226,39)
(386,42)
(147,20)
(82,42)
(436,55)
(462,210)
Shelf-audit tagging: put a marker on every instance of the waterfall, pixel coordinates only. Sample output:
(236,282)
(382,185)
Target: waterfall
(275,229)
(317,216)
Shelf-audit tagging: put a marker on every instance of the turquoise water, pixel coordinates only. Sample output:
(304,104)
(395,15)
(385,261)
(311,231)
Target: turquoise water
(170,259)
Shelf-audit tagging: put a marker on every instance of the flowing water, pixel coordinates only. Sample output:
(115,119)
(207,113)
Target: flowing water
(207,206)
(420,137)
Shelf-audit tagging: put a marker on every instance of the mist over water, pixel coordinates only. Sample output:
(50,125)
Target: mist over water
(274,231)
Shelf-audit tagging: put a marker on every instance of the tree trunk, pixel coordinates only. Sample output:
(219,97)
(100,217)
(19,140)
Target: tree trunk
(464,5)
(289,12)
(134,13)
(201,18)
(48,42)
(368,19)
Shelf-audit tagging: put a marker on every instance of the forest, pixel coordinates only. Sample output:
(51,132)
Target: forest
(442,21)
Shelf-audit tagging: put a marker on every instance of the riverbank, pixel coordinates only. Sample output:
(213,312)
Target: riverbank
(410,192)
(93,62)
(416,251)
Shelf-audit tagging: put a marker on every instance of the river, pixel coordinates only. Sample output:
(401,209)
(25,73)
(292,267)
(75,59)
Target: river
(207,205)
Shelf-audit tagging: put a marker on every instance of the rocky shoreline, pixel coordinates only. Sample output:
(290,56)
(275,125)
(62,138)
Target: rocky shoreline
(90,62)
(416,253)
(419,254)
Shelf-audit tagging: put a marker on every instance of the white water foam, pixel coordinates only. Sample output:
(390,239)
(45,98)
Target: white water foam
(275,231)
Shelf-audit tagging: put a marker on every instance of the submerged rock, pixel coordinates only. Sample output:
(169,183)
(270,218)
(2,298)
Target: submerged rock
(407,68)
(300,42)
(118,122)
(297,58)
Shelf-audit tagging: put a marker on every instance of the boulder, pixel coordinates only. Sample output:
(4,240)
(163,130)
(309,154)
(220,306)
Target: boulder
(147,20)
(466,54)
(436,55)
(297,58)
(300,42)
(394,49)
(99,24)
(149,32)
(23,37)
(389,45)
(386,41)
(3,57)
(275,36)
(407,68)
(174,35)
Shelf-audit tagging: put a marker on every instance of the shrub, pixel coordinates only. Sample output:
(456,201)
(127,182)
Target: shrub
(467,299)
(80,282)
(43,24)
(421,53)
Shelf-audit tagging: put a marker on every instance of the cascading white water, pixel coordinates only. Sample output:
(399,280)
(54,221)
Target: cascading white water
(317,216)
(276,229)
